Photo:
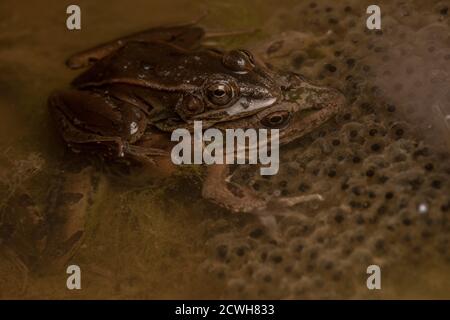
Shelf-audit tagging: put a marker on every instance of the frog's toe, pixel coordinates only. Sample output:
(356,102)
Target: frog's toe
(280,206)
(292,201)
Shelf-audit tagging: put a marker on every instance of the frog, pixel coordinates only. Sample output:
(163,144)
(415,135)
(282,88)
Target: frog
(304,107)
(121,117)
(161,78)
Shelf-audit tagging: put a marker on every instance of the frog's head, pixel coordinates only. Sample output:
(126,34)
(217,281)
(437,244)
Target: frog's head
(235,84)
(302,108)
(203,84)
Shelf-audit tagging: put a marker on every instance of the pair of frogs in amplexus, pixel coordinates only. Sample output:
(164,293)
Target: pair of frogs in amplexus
(140,88)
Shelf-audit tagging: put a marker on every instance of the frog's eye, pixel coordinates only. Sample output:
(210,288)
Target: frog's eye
(276,119)
(239,60)
(219,93)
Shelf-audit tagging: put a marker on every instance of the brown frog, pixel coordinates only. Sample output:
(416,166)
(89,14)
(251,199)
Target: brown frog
(118,114)
(157,79)
(303,108)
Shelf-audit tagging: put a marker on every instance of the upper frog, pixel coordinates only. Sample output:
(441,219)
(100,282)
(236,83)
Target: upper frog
(166,78)
(158,79)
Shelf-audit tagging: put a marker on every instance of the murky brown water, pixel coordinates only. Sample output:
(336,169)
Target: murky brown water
(161,240)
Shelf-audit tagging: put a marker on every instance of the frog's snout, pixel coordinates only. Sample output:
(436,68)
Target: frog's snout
(326,98)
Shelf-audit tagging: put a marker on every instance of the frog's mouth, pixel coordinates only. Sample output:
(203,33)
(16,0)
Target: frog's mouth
(242,108)
(248,106)
(248,102)
(310,119)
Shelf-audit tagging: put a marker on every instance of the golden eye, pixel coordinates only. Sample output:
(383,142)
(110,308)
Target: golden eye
(276,119)
(219,93)
(239,60)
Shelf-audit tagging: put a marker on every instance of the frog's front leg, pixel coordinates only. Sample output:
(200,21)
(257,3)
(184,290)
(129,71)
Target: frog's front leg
(218,188)
(186,36)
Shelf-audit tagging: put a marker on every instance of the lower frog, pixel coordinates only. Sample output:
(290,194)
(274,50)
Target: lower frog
(304,108)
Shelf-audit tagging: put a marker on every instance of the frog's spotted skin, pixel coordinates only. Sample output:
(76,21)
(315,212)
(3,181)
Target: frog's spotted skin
(386,186)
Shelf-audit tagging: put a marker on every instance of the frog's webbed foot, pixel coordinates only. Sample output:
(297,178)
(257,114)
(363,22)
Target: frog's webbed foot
(114,143)
(218,188)
(273,205)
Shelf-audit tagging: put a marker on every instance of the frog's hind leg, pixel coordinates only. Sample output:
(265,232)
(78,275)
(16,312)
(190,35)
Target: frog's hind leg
(85,107)
(185,36)
(66,216)
(218,188)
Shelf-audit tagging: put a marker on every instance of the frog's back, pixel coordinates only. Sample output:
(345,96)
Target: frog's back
(153,64)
